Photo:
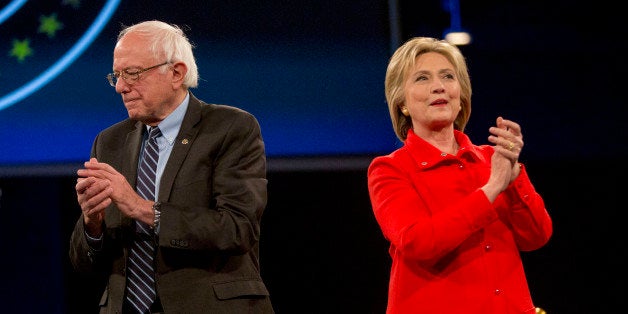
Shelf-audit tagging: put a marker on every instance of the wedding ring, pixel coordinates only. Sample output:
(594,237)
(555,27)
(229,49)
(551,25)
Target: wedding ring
(511,145)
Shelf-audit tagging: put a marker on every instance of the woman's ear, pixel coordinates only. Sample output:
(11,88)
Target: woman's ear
(405,111)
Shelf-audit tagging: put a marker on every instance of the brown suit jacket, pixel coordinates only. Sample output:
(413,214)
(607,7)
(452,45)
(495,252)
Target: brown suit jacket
(213,194)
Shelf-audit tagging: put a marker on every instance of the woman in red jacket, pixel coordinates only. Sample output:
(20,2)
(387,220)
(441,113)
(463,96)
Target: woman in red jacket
(456,214)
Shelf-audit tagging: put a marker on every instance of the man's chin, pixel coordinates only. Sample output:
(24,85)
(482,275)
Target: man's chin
(133,115)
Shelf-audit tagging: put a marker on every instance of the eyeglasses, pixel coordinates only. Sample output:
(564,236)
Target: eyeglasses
(130,75)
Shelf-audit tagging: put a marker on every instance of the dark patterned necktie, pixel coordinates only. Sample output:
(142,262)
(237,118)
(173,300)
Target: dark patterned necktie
(141,275)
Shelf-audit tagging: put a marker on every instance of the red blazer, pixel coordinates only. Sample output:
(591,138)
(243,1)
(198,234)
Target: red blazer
(452,250)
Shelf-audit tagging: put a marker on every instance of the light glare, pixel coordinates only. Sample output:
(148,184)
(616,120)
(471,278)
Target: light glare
(458,38)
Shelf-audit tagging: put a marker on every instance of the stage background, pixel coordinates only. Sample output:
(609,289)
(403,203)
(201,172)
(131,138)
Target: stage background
(312,72)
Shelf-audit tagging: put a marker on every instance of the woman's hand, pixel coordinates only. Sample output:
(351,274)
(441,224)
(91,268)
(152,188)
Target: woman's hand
(508,141)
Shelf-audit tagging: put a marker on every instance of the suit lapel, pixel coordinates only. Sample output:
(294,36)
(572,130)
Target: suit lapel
(183,143)
(128,166)
(133,144)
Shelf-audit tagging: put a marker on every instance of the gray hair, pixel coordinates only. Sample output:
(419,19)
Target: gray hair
(169,41)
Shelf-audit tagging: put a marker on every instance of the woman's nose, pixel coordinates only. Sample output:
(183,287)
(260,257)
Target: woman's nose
(438,87)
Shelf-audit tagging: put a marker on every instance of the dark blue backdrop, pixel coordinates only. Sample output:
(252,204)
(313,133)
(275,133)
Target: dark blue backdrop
(310,71)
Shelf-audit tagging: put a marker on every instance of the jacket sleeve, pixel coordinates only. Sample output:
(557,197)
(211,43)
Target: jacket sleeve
(83,257)
(525,210)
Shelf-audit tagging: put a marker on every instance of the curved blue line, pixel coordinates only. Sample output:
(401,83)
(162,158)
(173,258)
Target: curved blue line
(65,61)
(10,9)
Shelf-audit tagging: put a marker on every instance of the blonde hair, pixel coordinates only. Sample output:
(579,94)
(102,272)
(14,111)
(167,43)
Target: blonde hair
(403,60)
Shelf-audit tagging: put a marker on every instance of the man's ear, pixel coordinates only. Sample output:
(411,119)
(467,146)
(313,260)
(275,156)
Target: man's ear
(179,69)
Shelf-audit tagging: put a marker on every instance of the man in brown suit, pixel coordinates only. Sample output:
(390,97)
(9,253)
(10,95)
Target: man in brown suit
(210,190)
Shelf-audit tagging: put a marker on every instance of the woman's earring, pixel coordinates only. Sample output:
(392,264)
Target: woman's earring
(405,111)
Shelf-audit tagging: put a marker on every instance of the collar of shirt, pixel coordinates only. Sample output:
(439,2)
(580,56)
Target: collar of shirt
(172,123)
(427,156)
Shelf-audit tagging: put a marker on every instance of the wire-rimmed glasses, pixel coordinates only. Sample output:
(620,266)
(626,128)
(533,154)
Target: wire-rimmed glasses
(130,75)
